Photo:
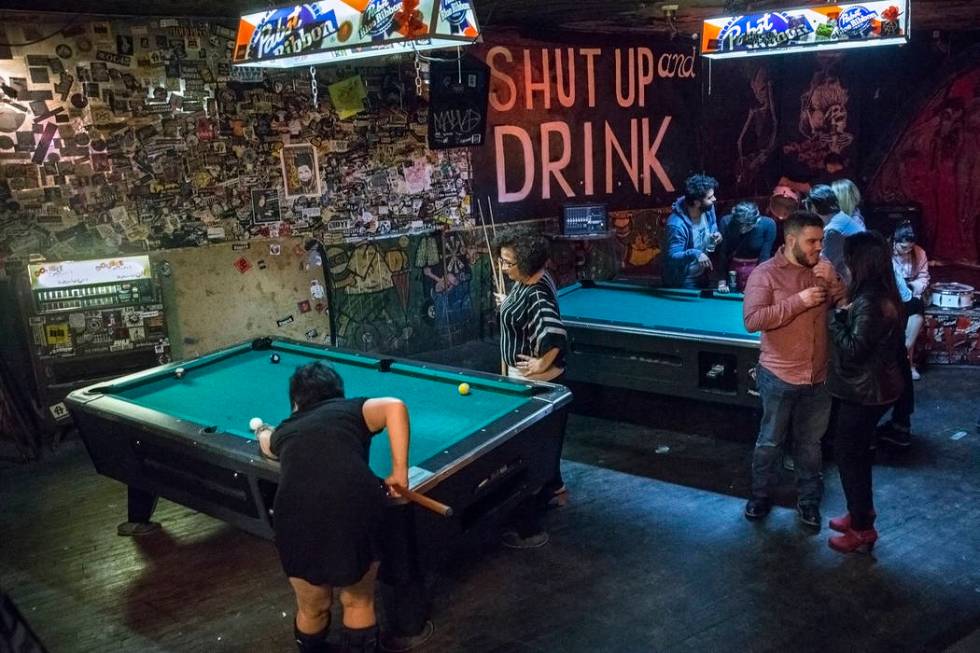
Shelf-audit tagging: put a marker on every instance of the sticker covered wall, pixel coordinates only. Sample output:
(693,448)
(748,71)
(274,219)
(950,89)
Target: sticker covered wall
(137,135)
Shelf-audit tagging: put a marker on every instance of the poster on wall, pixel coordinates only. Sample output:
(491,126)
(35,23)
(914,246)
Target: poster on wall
(265,206)
(601,120)
(300,172)
(457,103)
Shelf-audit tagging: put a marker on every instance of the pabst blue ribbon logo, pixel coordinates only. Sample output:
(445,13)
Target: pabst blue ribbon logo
(378,18)
(855,21)
(738,30)
(455,12)
(276,27)
(761,31)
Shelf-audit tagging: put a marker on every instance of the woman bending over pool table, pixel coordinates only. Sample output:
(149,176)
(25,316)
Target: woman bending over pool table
(329,506)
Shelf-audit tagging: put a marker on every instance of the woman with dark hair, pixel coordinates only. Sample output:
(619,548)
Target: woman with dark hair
(912,276)
(865,376)
(912,262)
(533,341)
(532,336)
(329,506)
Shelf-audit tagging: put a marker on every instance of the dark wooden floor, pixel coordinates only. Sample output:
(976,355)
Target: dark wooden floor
(652,554)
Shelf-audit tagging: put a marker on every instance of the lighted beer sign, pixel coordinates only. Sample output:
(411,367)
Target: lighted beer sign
(822,27)
(341,30)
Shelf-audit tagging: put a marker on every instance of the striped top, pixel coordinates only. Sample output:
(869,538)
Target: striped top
(530,323)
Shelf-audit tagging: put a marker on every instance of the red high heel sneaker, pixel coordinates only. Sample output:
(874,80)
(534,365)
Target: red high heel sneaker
(843,524)
(854,541)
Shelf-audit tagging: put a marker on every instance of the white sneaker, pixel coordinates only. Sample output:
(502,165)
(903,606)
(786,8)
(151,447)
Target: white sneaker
(915,374)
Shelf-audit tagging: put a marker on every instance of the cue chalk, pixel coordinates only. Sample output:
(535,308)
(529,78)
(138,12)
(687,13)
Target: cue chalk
(424,501)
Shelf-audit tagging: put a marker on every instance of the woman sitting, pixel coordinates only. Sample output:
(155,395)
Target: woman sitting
(914,265)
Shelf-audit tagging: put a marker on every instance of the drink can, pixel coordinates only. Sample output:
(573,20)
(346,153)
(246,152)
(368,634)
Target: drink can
(733,281)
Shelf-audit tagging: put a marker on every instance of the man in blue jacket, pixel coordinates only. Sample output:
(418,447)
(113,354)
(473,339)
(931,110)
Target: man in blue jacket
(692,233)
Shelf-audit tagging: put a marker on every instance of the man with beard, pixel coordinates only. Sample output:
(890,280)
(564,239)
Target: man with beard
(787,299)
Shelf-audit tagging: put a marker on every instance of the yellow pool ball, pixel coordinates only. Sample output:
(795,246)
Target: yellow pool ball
(464,388)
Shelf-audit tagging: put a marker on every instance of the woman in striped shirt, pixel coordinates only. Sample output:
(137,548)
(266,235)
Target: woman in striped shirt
(532,346)
(532,336)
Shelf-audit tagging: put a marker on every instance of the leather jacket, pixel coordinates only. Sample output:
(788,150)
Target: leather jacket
(868,342)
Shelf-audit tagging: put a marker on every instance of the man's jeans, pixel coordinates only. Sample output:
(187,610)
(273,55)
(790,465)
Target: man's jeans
(807,409)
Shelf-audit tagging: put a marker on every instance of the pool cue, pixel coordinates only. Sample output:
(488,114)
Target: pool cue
(424,501)
(486,239)
(498,273)
(493,225)
(492,222)
(504,369)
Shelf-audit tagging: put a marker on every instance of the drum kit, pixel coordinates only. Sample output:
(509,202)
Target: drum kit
(951,295)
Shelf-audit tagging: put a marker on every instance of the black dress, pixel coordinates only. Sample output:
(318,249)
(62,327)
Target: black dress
(329,507)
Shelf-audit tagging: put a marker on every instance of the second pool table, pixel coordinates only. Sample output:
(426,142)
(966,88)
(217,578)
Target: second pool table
(689,343)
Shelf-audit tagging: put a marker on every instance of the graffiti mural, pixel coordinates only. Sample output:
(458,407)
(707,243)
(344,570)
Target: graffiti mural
(825,132)
(757,139)
(936,163)
(411,292)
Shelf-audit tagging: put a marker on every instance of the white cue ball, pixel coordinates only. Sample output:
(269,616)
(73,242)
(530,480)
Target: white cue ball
(255,423)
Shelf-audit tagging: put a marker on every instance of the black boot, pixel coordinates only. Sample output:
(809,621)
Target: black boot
(361,640)
(316,643)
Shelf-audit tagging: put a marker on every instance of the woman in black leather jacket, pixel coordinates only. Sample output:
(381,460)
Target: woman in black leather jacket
(865,375)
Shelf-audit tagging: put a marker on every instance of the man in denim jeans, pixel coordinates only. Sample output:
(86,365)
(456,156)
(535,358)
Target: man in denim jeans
(787,298)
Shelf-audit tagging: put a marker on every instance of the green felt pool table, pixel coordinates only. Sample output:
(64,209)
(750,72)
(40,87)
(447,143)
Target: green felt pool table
(186,437)
(689,343)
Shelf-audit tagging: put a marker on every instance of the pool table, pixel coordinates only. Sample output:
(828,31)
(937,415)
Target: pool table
(688,343)
(185,436)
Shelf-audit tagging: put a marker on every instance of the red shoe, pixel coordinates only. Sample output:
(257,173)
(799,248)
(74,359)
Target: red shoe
(843,524)
(854,541)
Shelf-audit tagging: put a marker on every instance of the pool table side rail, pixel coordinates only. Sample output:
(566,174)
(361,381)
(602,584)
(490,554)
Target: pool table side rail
(720,338)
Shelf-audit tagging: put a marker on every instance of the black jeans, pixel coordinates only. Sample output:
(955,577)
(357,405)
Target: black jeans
(852,450)
(903,408)
(526,519)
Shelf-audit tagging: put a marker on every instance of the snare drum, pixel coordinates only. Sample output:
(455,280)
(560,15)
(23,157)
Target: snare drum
(951,295)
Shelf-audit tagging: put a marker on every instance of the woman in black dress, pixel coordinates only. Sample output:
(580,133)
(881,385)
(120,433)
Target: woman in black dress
(329,506)
(868,338)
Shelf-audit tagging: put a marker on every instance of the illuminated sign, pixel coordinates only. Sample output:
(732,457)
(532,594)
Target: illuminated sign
(64,274)
(822,27)
(341,30)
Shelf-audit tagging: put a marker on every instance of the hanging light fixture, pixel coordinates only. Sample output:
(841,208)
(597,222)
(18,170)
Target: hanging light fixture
(834,26)
(332,31)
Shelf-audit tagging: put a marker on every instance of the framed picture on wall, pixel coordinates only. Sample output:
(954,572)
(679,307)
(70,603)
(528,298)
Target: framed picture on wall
(300,172)
(265,205)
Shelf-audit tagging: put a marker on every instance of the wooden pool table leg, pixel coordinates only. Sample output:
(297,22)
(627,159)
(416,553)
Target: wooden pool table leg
(139,509)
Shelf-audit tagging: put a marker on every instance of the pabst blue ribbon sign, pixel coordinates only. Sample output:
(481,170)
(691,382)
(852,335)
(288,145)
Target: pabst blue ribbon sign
(824,27)
(336,30)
